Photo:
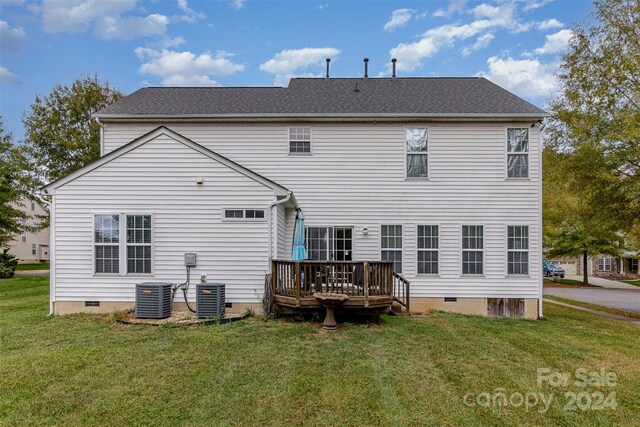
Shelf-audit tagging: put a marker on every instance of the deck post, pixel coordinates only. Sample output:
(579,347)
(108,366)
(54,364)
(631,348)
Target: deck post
(298,285)
(274,275)
(406,284)
(365,269)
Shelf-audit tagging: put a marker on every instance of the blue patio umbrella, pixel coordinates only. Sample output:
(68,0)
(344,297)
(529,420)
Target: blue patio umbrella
(299,252)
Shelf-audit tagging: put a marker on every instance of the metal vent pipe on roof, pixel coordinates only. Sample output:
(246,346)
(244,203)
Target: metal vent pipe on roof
(366,68)
(328,60)
(393,64)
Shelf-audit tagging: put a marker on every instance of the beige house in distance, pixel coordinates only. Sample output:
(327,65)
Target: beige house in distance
(31,247)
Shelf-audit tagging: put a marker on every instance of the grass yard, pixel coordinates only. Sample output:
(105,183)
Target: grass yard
(632,282)
(37,266)
(85,370)
(569,282)
(632,314)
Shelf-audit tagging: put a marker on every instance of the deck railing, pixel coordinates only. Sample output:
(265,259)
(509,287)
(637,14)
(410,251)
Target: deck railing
(354,278)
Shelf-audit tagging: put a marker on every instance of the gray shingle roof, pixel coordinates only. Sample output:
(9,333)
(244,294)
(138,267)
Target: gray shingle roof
(429,96)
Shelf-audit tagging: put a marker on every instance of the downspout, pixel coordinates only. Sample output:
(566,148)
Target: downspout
(270,223)
(101,136)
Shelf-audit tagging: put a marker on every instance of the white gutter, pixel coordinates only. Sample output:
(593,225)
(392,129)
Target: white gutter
(270,223)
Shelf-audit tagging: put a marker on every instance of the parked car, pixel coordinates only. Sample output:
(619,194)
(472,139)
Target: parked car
(554,270)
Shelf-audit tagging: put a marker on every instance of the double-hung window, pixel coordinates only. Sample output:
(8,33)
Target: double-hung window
(517,152)
(106,237)
(33,249)
(139,244)
(604,264)
(391,245)
(517,249)
(122,237)
(417,149)
(472,249)
(299,140)
(427,249)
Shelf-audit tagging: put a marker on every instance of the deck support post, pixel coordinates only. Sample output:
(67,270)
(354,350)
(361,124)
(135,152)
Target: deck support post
(365,280)
(274,275)
(298,284)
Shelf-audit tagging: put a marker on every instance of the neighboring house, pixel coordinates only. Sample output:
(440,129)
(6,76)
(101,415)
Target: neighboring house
(609,266)
(31,247)
(440,175)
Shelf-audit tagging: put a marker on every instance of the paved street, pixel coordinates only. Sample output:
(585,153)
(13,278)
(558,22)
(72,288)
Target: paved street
(622,299)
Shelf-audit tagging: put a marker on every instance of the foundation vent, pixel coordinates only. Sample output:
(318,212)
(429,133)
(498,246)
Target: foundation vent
(92,303)
(450,299)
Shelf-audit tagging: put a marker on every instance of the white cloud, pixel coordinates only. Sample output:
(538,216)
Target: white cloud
(186,68)
(322,6)
(535,4)
(294,62)
(550,24)
(238,4)
(8,76)
(440,13)
(190,15)
(481,42)
(127,28)
(11,38)
(555,43)
(398,18)
(524,77)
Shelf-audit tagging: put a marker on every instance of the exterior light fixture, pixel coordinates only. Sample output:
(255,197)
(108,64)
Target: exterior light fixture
(365,231)
(199,180)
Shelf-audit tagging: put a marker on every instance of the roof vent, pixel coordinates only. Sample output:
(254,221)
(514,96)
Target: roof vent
(328,61)
(366,68)
(393,66)
(356,89)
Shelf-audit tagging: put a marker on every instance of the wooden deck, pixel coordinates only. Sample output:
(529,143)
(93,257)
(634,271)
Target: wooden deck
(370,285)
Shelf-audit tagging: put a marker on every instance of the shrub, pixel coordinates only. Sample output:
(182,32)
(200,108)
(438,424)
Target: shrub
(8,264)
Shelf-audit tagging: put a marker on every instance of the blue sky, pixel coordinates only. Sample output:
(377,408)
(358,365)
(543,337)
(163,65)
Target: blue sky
(130,44)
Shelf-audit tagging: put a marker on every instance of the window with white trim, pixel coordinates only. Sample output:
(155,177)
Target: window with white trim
(299,140)
(107,244)
(427,249)
(391,245)
(517,249)
(33,249)
(416,146)
(518,153)
(244,214)
(23,237)
(139,244)
(604,264)
(472,249)
(33,206)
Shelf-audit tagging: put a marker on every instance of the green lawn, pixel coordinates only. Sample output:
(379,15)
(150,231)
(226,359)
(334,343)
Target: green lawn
(570,282)
(632,314)
(632,282)
(87,370)
(38,266)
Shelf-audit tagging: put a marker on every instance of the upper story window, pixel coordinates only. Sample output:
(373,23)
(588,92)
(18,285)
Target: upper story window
(238,214)
(391,245)
(517,153)
(33,206)
(23,237)
(416,146)
(427,249)
(518,249)
(472,249)
(299,140)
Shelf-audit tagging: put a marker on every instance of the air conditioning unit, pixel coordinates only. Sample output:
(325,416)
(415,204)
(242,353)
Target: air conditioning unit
(210,299)
(153,300)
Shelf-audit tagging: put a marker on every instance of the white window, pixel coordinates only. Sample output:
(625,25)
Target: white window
(427,249)
(243,214)
(299,140)
(416,145)
(139,244)
(23,237)
(518,249)
(33,249)
(604,264)
(517,153)
(633,265)
(391,245)
(329,243)
(472,249)
(33,206)
(107,244)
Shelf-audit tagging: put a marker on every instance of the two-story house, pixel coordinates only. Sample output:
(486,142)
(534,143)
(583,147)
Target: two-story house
(31,246)
(442,176)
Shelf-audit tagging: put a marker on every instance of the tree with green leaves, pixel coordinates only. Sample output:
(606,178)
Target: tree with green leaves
(592,154)
(60,134)
(13,186)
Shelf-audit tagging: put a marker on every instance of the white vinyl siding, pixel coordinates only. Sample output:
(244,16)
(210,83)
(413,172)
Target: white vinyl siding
(391,245)
(518,249)
(517,153)
(357,177)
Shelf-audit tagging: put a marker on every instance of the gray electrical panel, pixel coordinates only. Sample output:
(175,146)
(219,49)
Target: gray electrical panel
(190,259)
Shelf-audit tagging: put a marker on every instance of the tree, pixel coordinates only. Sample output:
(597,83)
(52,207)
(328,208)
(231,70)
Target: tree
(13,184)
(60,134)
(596,117)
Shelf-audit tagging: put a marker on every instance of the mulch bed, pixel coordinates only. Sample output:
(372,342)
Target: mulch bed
(180,318)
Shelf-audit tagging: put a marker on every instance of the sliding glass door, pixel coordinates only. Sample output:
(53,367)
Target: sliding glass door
(329,243)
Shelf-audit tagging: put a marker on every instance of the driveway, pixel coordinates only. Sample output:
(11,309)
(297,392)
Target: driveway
(622,299)
(605,283)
